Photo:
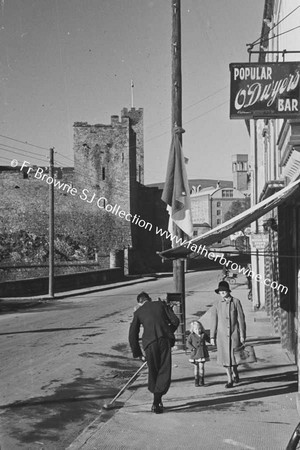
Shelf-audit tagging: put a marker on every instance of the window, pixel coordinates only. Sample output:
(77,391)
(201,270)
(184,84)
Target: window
(226,193)
(103,173)
(218,221)
(195,233)
(218,204)
(218,212)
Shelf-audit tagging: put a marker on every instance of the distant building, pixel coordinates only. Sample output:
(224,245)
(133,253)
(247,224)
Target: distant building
(210,205)
(201,203)
(241,173)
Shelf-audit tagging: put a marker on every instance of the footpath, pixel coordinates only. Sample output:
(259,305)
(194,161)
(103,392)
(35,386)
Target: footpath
(259,413)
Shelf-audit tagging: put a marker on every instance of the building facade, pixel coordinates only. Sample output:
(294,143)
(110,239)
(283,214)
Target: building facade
(275,163)
(240,173)
(213,205)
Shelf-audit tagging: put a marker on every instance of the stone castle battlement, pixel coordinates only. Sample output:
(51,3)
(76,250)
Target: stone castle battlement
(108,162)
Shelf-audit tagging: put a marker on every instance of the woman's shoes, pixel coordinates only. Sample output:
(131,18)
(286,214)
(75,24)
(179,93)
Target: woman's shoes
(229,385)
(157,409)
(236,379)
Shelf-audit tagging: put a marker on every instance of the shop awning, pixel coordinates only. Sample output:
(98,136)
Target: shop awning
(231,226)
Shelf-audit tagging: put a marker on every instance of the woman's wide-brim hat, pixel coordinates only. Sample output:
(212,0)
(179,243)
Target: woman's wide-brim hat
(223,286)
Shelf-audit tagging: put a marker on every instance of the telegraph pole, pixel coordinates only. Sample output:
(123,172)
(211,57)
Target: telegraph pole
(178,265)
(51,226)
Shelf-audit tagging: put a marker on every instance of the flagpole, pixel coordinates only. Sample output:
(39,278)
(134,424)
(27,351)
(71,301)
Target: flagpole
(178,265)
(131,87)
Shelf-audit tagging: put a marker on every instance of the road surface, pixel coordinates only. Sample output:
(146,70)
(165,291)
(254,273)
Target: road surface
(62,360)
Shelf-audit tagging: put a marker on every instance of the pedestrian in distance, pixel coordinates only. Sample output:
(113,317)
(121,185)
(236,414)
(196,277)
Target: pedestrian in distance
(248,276)
(196,342)
(225,273)
(159,323)
(228,330)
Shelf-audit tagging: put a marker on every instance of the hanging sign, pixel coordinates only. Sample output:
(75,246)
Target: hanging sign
(264,90)
(259,240)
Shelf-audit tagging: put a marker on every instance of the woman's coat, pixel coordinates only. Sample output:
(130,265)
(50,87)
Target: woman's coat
(227,327)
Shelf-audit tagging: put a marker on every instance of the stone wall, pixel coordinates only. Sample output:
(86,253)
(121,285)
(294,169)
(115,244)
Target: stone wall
(62,283)
(108,165)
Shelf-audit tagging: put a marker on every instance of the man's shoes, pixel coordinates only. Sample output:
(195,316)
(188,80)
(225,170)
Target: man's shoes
(236,379)
(197,381)
(202,381)
(229,385)
(157,409)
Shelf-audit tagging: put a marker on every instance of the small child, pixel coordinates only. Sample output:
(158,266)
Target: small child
(199,352)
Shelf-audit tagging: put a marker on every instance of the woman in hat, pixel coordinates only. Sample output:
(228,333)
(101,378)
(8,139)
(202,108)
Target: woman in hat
(228,328)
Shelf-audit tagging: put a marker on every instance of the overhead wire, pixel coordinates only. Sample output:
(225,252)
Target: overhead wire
(133,146)
(258,40)
(147,127)
(189,106)
(280,34)
(18,153)
(188,121)
(25,152)
(21,151)
(206,112)
(23,142)
(119,190)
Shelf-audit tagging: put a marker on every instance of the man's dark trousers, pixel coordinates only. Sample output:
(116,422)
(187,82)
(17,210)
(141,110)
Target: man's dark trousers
(158,355)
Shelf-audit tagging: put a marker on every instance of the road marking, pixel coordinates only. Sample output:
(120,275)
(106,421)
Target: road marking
(238,444)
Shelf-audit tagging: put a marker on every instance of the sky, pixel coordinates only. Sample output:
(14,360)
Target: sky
(66,61)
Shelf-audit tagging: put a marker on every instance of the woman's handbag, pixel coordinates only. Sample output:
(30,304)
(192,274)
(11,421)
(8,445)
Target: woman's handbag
(244,354)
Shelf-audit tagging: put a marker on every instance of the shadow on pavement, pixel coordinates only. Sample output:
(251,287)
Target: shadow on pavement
(235,397)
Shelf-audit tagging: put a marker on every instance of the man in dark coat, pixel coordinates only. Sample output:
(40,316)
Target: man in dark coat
(158,321)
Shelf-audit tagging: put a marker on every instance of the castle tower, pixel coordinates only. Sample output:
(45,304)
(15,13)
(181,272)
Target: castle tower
(240,171)
(108,167)
(137,126)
